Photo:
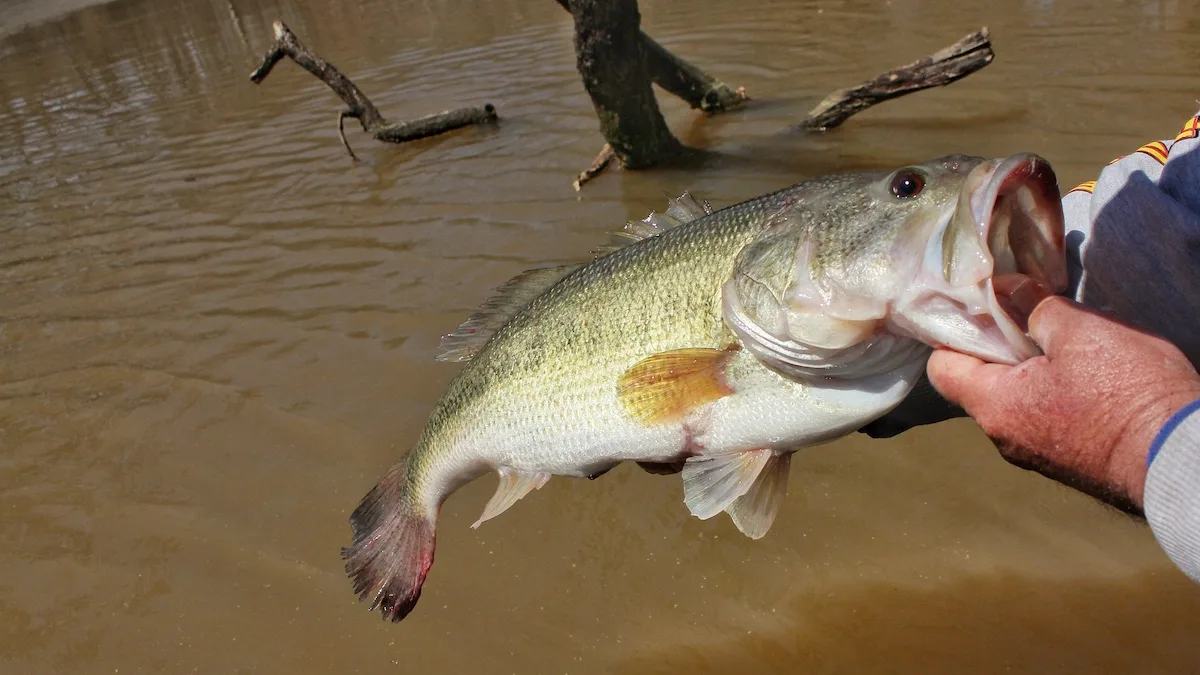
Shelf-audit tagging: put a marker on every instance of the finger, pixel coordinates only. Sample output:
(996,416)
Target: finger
(1053,316)
(1058,322)
(965,380)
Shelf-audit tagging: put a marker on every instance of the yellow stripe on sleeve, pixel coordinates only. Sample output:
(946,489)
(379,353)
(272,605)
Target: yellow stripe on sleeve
(1156,150)
(1190,130)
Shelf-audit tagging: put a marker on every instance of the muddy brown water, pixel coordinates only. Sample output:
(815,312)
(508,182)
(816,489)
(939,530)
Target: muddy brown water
(216,333)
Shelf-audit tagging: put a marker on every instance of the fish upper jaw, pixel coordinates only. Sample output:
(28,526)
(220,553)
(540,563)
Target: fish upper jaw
(989,263)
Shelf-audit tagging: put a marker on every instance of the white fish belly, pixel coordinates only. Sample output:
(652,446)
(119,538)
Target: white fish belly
(770,411)
(579,440)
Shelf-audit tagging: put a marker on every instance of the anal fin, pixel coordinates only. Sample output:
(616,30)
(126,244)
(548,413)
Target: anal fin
(712,482)
(754,511)
(513,485)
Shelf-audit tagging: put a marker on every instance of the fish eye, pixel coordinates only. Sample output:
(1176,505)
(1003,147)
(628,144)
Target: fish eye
(907,184)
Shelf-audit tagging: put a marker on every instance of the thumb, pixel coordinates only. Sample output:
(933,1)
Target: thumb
(964,379)
(1056,321)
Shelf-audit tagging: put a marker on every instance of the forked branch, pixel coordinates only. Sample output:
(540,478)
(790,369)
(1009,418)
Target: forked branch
(358,105)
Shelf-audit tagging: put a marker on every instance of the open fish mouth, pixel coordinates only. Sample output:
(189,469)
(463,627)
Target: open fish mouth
(1019,214)
(1001,252)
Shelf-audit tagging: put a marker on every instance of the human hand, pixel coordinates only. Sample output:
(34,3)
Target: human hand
(1086,412)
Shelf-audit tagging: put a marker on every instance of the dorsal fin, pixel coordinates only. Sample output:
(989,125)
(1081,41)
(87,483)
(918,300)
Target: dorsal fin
(680,210)
(510,298)
(518,292)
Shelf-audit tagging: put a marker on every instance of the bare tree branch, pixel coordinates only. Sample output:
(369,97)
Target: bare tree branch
(602,160)
(357,104)
(701,90)
(431,125)
(342,131)
(953,63)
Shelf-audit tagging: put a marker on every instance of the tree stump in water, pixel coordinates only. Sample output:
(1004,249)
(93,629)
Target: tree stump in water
(683,79)
(358,105)
(618,62)
(611,60)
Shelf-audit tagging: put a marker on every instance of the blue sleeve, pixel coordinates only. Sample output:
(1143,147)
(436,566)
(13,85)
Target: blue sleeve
(1133,239)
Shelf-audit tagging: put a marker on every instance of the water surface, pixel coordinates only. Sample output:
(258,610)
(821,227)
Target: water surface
(216,333)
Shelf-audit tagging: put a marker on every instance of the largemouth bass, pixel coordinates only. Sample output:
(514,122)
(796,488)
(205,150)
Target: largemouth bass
(716,344)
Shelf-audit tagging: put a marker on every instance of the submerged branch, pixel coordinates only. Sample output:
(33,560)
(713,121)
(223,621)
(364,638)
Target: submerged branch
(342,131)
(358,105)
(602,160)
(953,63)
(431,125)
(685,80)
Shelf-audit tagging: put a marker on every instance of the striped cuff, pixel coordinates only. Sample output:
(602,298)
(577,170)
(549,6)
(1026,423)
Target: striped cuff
(1172,496)
(1169,427)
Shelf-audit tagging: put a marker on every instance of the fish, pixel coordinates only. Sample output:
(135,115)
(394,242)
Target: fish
(716,343)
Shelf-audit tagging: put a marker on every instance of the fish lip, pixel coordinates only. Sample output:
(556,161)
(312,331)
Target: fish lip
(1018,214)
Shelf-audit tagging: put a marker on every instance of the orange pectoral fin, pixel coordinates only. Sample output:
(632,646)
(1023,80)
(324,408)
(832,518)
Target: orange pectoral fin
(667,386)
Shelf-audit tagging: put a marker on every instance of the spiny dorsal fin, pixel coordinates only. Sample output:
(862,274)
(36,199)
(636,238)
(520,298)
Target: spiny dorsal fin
(686,207)
(680,210)
(510,298)
(518,292)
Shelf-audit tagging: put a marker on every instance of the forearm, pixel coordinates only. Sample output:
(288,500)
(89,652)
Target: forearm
(1172,493)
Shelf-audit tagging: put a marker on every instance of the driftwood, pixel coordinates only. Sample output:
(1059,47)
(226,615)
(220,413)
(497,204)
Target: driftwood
(603,159)
(358,106)
(953,63)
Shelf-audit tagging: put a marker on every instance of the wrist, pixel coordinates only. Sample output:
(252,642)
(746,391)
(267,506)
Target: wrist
(1167,428)
(1146,426)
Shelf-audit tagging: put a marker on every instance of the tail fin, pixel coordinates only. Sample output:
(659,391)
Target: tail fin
(393,546)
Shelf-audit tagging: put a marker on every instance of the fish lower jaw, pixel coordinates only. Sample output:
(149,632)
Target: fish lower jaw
(974,320)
